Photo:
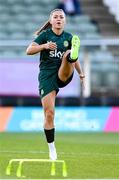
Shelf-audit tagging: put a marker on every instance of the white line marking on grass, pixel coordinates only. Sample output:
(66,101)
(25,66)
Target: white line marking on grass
(60,153)
(22,152)
(63,179)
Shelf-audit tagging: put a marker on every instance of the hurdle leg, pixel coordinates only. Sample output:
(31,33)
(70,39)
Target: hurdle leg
(53,169)
(19,169)
(9,166)
(64,169)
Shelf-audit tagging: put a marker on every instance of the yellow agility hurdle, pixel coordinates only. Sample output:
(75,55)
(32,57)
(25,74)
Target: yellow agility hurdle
(21,161)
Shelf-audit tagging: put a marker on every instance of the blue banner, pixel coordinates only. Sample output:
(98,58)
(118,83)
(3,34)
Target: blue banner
(66,119)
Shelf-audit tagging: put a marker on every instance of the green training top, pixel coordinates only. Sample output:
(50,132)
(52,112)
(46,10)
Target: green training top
(51,59)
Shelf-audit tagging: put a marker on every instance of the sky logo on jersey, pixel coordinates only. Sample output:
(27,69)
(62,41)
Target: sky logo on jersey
(57,54)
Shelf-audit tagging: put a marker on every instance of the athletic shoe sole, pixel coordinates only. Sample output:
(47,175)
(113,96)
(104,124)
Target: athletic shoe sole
(75,48)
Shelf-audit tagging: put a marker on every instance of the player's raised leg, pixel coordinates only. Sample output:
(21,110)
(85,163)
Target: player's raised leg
(68,61)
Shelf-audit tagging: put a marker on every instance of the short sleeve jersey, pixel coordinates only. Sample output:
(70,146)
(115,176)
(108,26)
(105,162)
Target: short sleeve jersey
(51,59)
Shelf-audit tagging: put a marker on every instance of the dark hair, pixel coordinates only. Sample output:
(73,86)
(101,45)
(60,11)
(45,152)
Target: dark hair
(47,24)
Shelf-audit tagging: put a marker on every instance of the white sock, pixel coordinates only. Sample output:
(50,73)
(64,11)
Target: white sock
(51,145)
(52,151)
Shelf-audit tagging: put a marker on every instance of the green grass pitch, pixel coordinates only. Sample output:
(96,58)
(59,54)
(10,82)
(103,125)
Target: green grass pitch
(87,155)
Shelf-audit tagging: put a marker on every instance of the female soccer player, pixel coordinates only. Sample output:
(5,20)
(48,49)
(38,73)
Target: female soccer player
(58,58)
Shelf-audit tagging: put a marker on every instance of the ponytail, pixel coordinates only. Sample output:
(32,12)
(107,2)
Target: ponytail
(45,26)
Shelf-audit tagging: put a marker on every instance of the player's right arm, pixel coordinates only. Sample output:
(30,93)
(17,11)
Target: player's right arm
(35,48)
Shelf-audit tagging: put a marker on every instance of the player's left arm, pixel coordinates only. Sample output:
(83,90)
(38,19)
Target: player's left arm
(79,70)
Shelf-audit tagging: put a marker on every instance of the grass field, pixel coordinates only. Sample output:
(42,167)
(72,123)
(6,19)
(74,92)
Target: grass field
(87,155)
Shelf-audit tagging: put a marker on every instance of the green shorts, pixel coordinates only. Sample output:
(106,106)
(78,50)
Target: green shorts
(49,81)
